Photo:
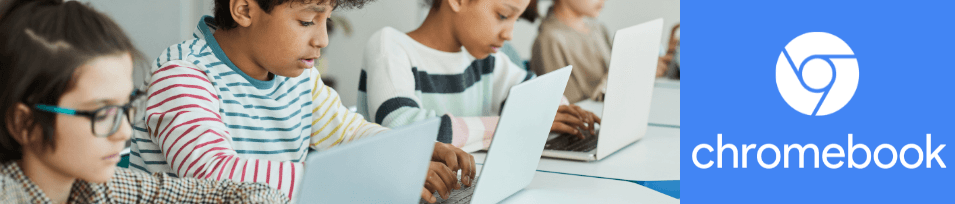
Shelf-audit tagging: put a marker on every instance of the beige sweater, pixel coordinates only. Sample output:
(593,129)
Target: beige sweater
(558,45)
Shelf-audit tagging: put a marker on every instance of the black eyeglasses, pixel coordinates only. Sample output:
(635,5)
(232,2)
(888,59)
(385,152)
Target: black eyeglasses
(104,121)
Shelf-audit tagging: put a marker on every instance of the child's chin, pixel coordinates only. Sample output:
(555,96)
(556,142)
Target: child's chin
(101,177)
(297,71)
(480,55)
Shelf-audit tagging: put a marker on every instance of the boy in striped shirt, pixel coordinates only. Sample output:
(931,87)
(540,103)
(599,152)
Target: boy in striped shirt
(242,100)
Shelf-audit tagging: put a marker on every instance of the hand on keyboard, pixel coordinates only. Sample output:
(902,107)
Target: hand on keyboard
(456,159)
(571,119)
(441,179)
(459,196)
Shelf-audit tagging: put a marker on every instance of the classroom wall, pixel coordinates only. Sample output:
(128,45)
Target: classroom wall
(153,25)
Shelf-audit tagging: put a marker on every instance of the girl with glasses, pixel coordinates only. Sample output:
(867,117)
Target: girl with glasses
(65,106)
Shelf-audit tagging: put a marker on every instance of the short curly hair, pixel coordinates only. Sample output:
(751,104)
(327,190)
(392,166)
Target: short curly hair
(223,18)
(530,14)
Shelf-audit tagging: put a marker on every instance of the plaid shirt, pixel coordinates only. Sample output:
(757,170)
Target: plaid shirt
(128,186)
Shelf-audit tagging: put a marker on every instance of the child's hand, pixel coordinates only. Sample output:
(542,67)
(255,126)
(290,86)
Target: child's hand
(440,178)
(589,119)
(571,119)
(456,159)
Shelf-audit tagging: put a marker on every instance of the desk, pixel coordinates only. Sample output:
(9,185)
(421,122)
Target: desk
(560,188)
(664,107)
(656,157)
(667,83)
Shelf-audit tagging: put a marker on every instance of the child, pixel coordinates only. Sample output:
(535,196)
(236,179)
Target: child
(66,120)
(242,100)
(426,73)
(569,35)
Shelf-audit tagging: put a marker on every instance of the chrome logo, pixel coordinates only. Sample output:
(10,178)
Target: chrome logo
(817,73)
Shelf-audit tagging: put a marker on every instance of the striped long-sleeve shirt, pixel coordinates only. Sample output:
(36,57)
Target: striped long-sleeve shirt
(404,81)
(205,118)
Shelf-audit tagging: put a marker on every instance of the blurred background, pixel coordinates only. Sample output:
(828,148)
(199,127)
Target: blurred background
(157,24)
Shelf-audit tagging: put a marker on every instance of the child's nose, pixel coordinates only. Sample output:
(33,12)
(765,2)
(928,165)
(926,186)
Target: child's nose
(320,40)
(506,34)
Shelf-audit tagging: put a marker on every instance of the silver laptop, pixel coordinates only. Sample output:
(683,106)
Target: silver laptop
(518,140)
(385,168)
(626,108)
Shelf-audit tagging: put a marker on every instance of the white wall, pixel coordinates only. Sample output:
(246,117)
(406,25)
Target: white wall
(154,25)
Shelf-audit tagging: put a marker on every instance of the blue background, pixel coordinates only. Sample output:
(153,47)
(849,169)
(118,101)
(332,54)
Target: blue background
(905,55)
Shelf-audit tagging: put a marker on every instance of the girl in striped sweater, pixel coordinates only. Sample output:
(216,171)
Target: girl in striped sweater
(242,100)
(450,67)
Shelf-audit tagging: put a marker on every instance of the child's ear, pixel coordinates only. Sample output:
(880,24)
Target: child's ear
(456,4)
(17,123)
(240,10)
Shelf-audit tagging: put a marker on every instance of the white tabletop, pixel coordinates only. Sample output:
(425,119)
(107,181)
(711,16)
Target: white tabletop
(656,157)
(664,107)
(561,188)
(667,83)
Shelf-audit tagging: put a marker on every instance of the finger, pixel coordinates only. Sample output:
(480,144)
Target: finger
(473,168)
(596,118)
(467,165)
(438,184)
(580,112)
(563,128)
(584,117)
(569,120)
(447,177)
(427,196)
(451,161)
(591,120)
(566,129)
(567,110)
(574,126)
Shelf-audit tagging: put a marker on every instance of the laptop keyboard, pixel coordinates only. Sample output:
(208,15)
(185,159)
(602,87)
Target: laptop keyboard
(568,142)
(462,195)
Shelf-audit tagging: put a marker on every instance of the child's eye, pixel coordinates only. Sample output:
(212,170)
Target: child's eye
(306,24)
(502,17)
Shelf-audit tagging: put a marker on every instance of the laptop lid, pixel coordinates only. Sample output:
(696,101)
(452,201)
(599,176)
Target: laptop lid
(385,168)
(633,64)
(519,139)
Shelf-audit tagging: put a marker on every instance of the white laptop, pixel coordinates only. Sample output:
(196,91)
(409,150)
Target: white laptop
(626,110)
(515,151)
(385,168)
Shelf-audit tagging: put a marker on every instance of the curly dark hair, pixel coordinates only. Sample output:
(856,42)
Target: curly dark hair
(224,21)
(530,14)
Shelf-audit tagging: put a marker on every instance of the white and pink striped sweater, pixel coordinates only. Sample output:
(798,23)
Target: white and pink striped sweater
(205,118)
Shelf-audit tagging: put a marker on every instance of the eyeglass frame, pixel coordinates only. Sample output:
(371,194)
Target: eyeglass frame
(92,114)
